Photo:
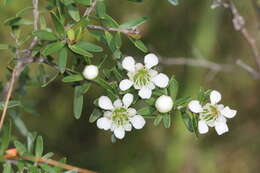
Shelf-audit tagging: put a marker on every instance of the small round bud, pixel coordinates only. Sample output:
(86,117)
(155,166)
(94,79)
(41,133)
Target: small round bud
(90,72)
(164,104)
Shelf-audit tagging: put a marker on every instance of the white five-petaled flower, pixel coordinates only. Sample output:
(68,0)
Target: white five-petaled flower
(119,116)
(143,77)
(90,72)
(212,114)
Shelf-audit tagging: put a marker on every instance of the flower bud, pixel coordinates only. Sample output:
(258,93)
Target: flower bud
(164,104)
(90,72)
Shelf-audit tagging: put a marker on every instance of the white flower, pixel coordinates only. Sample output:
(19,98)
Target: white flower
(119,116)
(90,72)
(164,104)
(212,114)
(143,77)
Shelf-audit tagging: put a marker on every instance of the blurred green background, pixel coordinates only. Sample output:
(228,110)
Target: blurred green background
(191,29)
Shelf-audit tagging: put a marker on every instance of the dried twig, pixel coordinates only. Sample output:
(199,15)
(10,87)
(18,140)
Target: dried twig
(90,9)
(124,31)
(255,74)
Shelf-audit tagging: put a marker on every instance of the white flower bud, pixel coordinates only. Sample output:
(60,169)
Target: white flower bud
(164,104)
(90,72)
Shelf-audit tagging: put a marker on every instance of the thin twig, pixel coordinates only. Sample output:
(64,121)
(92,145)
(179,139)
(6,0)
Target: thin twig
(36,14)
(250,70)
(52,162)
(197,62)
(124,31)
(90,9)
(239,25)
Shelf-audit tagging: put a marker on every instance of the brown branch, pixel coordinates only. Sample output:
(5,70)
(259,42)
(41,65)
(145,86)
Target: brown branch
(239,25)
(90,9)
(198,63)
(52,163)
(124,31)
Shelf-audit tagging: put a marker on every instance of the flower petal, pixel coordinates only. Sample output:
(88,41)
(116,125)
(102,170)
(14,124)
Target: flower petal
(137,121)
(125,84)
(195,106)
(145,93)
(153,73)
(129,63)
(150,60)
(215,97)
(128,127)
(128,99)
(119,132)
(203,127)
(161,80)
(105,103)
(104,123)
(227,112)
(108,114)
(118,103)
(221,128)
(131,112)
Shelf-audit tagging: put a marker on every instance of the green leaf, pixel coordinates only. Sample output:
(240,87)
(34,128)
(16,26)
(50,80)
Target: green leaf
(187,121)
(157,120)
(63,60)
(11,104)
(174,2)
(7,168)
(23,11)
(78,102)
(39,147)
(101,9)
(173,88)
(84,2)
(45,35)
(18,122)
(79,50)
(74,12)
(5,139)
(139,44)
(30,141)
(89,46)
(4,46)
(47,168)
(20,147)
(95,115)
(182,101)
(133,23)
(73,78)
(53,47)
(104,84)
(166,120)
(84,88)
(17,21)
(148,110)
(58,25)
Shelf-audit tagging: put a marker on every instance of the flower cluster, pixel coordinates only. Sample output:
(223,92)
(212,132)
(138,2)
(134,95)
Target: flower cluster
(212,114)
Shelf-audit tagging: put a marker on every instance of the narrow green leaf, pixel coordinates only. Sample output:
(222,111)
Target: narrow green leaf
(157,120)
(53,47)
(173,88)
(73,78)
(78,103)
(139,44)
(45,35)
(20,147)
(5,139)
(47,168)
(101,9)
(7,168)
(11,104)
(74,12)
(58,25)
(148,110)
(91,47)
(95,115)
(167,120)
(30,141)
(39,147)
(84,2)
(133,23)
(79,50)
(187,121)
(63,60)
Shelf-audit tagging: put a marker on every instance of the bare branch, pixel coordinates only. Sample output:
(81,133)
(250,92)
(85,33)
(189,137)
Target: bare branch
(36,16)
(124,31)
(197,62)
(249,69)
(90,9)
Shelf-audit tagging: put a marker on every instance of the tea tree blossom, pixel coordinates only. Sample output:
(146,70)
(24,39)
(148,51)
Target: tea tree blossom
(90,72)
(143,77)
(119,116)
(164,104)
(212,114)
